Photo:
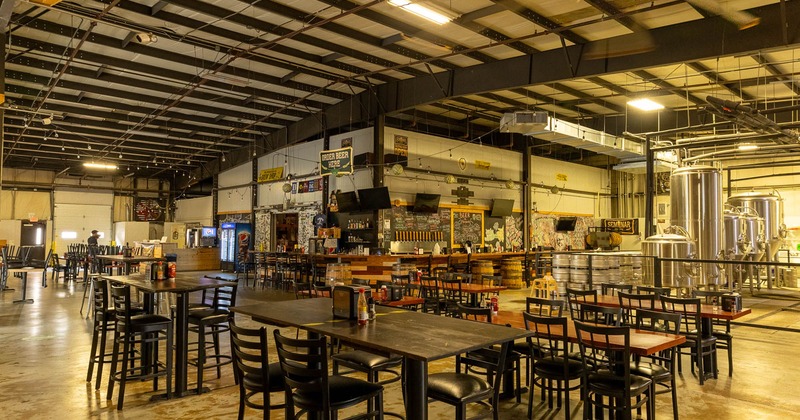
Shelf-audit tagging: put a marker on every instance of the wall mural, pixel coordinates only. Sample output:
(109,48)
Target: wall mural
(305,227)
(544,233)
(514,230)
(263,229)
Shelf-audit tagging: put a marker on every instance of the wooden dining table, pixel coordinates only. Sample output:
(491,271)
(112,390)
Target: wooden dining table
(642,342)
(128,261)
(418,337)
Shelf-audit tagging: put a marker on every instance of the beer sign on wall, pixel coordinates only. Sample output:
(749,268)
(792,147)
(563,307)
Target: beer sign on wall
(622,226)
(149,209)
(337,161)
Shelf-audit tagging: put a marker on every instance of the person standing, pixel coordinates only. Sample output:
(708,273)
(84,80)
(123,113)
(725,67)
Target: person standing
(92,241)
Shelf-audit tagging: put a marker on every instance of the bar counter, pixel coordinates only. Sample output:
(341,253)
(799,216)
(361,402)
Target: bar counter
(379,267)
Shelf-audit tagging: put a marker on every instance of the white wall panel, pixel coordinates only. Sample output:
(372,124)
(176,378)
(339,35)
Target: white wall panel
(362,140)
(242,174)
(67,196)
(82,219)
(234,200)
(195,210)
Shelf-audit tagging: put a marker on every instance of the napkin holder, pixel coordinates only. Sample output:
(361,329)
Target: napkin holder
(732,302)
(345,301)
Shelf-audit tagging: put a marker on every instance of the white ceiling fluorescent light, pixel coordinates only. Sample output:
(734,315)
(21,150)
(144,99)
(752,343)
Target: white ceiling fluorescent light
(645,104)
(421,11)
(99,166)
(746,147)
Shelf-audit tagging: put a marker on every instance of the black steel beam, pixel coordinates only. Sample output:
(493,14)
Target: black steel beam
(774,71)
(647,76)
(544,22)
(715,78)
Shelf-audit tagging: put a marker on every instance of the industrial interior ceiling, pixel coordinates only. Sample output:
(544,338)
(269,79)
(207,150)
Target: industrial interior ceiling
(182,89)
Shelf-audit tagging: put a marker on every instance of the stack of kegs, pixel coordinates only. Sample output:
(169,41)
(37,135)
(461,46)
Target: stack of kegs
(614,270)
(561,268)
(636,267)
(600,275)
(579,271)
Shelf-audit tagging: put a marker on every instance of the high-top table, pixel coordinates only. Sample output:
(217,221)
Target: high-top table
(181,286)
(128,261)
(418,337)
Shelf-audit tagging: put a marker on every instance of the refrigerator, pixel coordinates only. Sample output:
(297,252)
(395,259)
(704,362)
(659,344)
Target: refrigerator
(235,239)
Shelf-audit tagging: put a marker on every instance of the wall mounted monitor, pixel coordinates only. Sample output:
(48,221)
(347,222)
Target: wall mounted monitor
(374,198)
(347,201)
(501,207)
(566,224)
(426,203)
(208,232)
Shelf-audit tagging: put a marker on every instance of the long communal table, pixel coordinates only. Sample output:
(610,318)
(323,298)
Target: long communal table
(128,261)
(418,337)
(181,286)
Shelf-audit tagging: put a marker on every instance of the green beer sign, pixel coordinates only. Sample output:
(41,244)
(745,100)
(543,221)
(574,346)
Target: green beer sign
(337,161)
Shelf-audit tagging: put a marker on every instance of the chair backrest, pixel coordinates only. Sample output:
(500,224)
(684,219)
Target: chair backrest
(400,278)
(550,333)
(612,289)
(630,302)
(100,290)
(429,287)
(606,349)
(709,296)
(576,297)
(660,291)
(491,280)
(250,356)
(302,290)
(121,296)
(304,363)
(660,321)
(689,308)
(474,313)
(544,307)
(601,315)
(225,297)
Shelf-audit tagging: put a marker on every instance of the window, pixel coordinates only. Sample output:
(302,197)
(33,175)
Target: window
(69,235)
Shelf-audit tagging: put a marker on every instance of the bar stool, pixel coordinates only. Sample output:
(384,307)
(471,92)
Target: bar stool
(143,329)
(216,320)
(104,321)
(372,365)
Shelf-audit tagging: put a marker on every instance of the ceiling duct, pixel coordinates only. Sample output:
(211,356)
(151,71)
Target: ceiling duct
(575,135)
(523,122)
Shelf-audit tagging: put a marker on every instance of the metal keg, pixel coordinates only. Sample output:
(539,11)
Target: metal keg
(696,205)
(770,207)
(674,243)
(579,261)
(561,260)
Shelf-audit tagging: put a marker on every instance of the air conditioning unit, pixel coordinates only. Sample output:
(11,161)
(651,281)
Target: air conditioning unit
(523,122)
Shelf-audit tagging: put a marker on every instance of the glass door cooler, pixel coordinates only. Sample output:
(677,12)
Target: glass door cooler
(235,241)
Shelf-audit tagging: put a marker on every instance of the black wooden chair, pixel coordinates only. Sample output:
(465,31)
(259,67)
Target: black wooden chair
(539,307)
(631,302)
(612,289)
(145,330)
(550,361)
(577,297)
(600,315)
(607,372)
(722,328)
(660,291)
(304,364)
(698,345)
(212,320)
(432,301)
(253,371)
(658,367)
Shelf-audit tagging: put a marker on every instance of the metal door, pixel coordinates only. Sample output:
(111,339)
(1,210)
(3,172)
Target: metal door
(32,238)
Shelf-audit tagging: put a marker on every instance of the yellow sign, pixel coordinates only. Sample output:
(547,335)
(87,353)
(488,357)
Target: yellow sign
(561,177)
(482,164)
(271,174)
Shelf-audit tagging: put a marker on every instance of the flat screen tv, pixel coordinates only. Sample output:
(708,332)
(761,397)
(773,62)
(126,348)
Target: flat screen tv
(374,198)
(208,232)
(566,224)
(347,201)
(426,203)
(501,207)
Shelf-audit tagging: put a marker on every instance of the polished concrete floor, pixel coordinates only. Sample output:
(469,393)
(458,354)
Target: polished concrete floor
(44,348)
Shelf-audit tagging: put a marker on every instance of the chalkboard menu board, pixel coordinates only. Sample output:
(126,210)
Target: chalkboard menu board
(467,226)
(404,220)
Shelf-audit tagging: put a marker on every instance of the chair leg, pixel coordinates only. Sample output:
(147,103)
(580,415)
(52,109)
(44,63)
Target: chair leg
(169,361)
(92,353)
(730,357)
(674,399)
(102,356)
(201,357)
(124,372)
(114,360)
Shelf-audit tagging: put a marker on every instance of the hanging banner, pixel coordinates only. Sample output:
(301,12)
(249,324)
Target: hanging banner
(271,174)
(622,226)
(337,161)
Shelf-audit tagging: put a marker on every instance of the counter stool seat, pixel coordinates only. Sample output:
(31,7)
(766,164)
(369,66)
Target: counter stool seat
(372,365)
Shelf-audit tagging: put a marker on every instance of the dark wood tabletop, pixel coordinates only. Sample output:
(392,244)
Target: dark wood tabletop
(412,334)
(642,342)
(473,288)
(183,282)
(132,259)
(706,311)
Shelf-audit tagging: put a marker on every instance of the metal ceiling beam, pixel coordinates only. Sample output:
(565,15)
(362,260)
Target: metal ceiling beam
(774,71)
(587,98)
(514,6)
(481,13)
(616,14)
(647,76)
(716,79)
(548,67)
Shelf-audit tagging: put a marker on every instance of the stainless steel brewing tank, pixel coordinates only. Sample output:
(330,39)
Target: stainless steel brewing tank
(696,205)
(737,242)
(668,245)
(770,207)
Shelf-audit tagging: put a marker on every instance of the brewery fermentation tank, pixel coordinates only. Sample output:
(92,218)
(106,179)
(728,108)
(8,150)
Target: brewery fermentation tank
(770,207)
(674,243)
(696,205)
(737,241)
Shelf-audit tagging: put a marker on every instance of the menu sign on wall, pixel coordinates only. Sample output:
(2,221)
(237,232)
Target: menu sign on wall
(337,161)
